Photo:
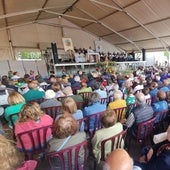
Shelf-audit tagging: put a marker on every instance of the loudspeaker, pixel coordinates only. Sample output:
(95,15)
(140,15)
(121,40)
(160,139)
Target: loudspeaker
(143,54)
(55,52)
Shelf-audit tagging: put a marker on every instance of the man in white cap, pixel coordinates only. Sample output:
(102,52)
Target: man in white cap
(50,99)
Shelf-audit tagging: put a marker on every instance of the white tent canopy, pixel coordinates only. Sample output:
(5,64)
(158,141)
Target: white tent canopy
(127,24)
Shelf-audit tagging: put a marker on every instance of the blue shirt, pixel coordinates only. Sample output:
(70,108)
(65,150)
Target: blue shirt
(95,108)
(79,115)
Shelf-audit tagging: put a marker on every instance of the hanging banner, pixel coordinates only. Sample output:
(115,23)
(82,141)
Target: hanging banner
(68,44)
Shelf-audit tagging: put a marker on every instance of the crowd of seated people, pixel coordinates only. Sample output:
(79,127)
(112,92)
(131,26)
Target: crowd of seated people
(29,96)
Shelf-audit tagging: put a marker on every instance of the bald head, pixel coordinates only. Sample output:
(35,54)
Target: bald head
(119,159)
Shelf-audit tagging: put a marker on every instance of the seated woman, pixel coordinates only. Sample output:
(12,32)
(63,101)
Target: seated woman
(93,107)
(15,101)
(69,106)
(111,128)
(12,159)
(157,157)
(31,117)
(66,134)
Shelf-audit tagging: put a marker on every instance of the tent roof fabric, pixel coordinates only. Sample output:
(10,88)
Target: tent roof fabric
(127,24)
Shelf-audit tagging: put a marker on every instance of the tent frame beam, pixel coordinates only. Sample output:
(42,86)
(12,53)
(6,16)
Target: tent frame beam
(114,31)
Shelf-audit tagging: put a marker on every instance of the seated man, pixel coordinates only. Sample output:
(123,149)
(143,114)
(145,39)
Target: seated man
(141,113)
(111,128)
(33,93)
(158,157)
(118,159)
(69,92)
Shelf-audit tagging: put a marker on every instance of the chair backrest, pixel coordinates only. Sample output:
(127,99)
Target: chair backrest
(103,100)
(86,97)
(52,111)
(81,123)
(120,112)
(148,101)
(116,141)
(145,129)
(93,123)
(38,138)
(69,158)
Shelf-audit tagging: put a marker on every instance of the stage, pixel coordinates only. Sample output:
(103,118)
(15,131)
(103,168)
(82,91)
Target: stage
(118,66)
(74,64)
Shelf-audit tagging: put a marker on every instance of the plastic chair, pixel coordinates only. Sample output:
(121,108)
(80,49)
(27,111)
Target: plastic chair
(52,111)
(81,123)
(149,101)
(160,118)
(72,158)
(103,100)
(110,95)
(38,139)
(93,123)
(120,112)
(86,96)
(145,129)
(116,141)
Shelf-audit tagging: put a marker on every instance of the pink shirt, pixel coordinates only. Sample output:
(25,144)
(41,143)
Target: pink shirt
(45,120)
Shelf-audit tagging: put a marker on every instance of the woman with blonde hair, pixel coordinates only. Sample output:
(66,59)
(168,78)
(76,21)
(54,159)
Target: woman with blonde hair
(31,117)
(69,106)
(11,159)
(15,101)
